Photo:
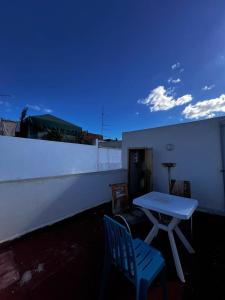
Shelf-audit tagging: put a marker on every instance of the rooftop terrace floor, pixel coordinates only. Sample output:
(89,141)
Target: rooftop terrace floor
(64,261)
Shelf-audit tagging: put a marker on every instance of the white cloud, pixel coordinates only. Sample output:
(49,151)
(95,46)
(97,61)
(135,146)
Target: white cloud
(171,80)
(48,110)
(159,99)
(208,87)
(205,108)
(184,99)
(34,107)
(39,108)
(176,80)
(181,70)
(171,91)
(175,66)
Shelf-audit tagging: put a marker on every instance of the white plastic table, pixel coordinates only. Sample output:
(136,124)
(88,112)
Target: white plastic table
(179,208)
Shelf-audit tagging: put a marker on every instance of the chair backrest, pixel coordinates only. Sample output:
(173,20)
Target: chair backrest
(180,188)
(120,199)
(119,245)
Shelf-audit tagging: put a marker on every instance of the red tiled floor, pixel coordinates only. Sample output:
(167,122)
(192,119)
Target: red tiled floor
(64,261)
(54,263)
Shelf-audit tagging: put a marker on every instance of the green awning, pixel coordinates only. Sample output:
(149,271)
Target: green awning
(51,122)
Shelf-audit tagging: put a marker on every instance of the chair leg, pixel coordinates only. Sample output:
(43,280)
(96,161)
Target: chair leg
(163,284)
(105,278)
(191,227)
(142,291)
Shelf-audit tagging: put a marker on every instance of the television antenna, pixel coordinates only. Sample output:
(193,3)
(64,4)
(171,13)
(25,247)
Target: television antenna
(103,124)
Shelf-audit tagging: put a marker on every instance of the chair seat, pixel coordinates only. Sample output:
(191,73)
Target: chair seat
(149,260)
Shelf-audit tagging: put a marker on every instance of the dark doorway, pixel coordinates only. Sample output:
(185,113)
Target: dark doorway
(139,172)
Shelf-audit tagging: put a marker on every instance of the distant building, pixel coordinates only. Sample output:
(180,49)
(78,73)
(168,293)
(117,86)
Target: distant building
(109,143)
(8,127)
(49,127)
(90,138)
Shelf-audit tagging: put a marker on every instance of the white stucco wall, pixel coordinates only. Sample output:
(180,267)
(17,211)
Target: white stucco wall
(29,158)
(42,182)
(197,154)
(26,205)
(109,158)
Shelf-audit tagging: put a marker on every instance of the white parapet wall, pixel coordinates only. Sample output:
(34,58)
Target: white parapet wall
(42,182)
(109,158)
(29,158)
(199,151)
(26,205)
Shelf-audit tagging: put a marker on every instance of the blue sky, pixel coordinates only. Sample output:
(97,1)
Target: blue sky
(149,63)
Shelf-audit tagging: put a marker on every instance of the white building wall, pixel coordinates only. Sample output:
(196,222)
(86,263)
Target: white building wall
(197,154)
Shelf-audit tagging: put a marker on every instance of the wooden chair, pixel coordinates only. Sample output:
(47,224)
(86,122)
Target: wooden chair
(181,188)
(120,199)
(122,207)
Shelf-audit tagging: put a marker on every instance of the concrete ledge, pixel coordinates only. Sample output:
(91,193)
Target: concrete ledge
(59,176)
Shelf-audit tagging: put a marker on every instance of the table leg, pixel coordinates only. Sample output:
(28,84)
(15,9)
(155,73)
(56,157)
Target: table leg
(173,225)
(155,228)
(176,256)
(183,239)
(152,234)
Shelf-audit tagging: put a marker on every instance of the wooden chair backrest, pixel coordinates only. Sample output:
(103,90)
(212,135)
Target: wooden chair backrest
(180,188)
(120,199)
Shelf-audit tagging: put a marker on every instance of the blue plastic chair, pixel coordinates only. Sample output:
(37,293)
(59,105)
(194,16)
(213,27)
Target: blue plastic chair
(138,261)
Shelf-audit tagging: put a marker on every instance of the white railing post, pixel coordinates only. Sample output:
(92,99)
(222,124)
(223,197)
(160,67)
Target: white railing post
(97,149)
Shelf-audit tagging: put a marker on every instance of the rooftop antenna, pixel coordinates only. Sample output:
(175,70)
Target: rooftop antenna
(103,124)
(102,120)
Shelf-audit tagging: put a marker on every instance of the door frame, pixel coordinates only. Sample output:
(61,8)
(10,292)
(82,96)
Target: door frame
(146,149)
